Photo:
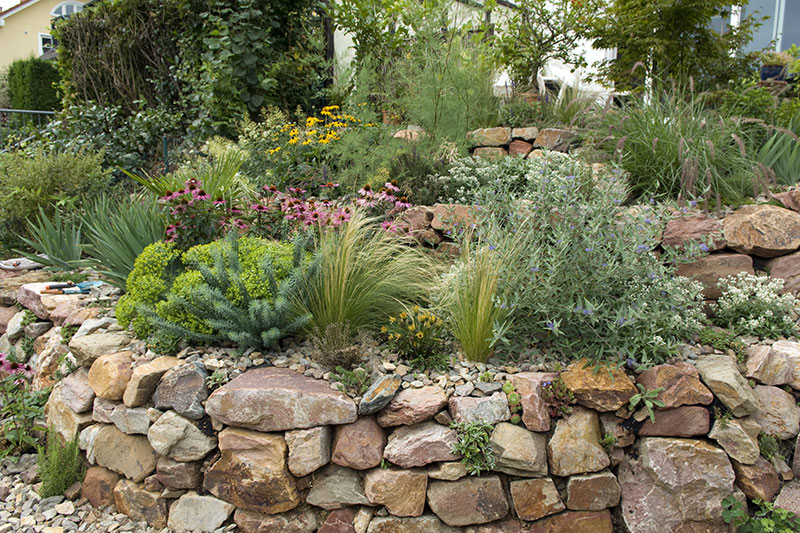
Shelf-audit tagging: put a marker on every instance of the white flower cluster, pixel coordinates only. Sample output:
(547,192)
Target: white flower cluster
(752,305)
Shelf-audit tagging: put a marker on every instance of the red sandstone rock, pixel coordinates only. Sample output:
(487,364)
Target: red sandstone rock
(575,522)
(421,444)
(535,498)
(602,389)
(593,492)
(759,480)
(697,227)
(402,492)
(359,445)
(535,413)
(710,269)
(681,384)
(277,399)
(519,148)
(763,230)
(98,486)
(411,406)
(686,421)
(468,501)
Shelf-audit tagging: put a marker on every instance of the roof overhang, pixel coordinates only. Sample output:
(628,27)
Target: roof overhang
(16,9)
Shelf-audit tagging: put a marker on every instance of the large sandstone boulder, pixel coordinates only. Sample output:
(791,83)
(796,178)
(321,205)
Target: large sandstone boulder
(490,409)
(535,412)
(554,139)
(421,524)
(602,389)
(720,374)
(575,447)
(301,519)
(470,500)
(145,378)
(402,492)
(193,512)
(277,399)
(593,492)
(179,438)
(359,445)
(89,347)
(252,472)
(673,483)
(685,421)
(768,366)
(336,487)
(789,350)
(140,505)
(412,406)
(777,412)
(109,375)
(490,137)
(98,486)
(681,384)
(738,437)
(787,268)
(577,522)
(710,269)
(696,227)
(421,444)
(309,449)
(61,417)
(759,480)
(535,498)
(130,455)
(184,389)
(519,452)
(763,230)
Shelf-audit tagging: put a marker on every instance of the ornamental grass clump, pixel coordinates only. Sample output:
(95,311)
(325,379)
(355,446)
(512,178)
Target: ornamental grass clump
(753,305)
(359,276)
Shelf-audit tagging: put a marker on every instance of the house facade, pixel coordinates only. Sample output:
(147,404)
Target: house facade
(25,28)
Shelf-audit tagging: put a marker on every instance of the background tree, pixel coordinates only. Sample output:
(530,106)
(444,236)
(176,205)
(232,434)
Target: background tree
(539,31)
(673,39)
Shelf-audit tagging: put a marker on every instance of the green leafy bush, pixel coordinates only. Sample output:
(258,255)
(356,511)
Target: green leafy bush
(151,277)
(232,313)
(32,84)
(5,101)
(766,519)
(127,141)
(752,305)
(584,280)
(59,465)
(474,446)
(30,182)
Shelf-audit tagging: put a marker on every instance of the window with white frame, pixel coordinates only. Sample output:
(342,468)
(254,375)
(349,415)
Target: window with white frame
(65,9)
(46,43)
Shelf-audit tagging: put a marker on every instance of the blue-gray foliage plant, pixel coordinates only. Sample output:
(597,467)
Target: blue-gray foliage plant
(588,283)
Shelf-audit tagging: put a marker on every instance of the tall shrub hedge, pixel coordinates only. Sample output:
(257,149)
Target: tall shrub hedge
(32,84)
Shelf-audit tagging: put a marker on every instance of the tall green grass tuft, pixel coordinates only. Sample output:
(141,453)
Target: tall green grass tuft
(361,274)
(474,295)
(781,153)
(59,465)
(673,146)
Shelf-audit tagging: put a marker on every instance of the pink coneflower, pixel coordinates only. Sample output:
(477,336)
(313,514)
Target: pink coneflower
(270,188)
(219,201)
(259,207)
(366,191)
(296,190)
(391,186)
(341,217)
(240,224)
(389,226)
(329,185)
(402,203)
(201,195)
(366,202)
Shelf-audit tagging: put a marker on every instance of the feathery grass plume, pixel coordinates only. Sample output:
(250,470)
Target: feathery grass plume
(59,464)
(691,139)
(359,275)
(250,323)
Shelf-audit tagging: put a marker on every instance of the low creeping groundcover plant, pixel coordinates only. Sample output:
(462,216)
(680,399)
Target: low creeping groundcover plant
(581,276)
(753,305)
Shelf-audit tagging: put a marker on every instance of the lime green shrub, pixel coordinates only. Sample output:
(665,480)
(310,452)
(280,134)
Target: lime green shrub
(162,276)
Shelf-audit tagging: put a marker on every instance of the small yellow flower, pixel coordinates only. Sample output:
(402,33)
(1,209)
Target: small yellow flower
(419,335)
(276,149)
(412,327)
(392,319)
(293,140)
(416,308)
(403,315)
(384,329)
(310,133)
(307,142)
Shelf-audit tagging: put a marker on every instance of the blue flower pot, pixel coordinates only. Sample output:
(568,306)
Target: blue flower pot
(773,72)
